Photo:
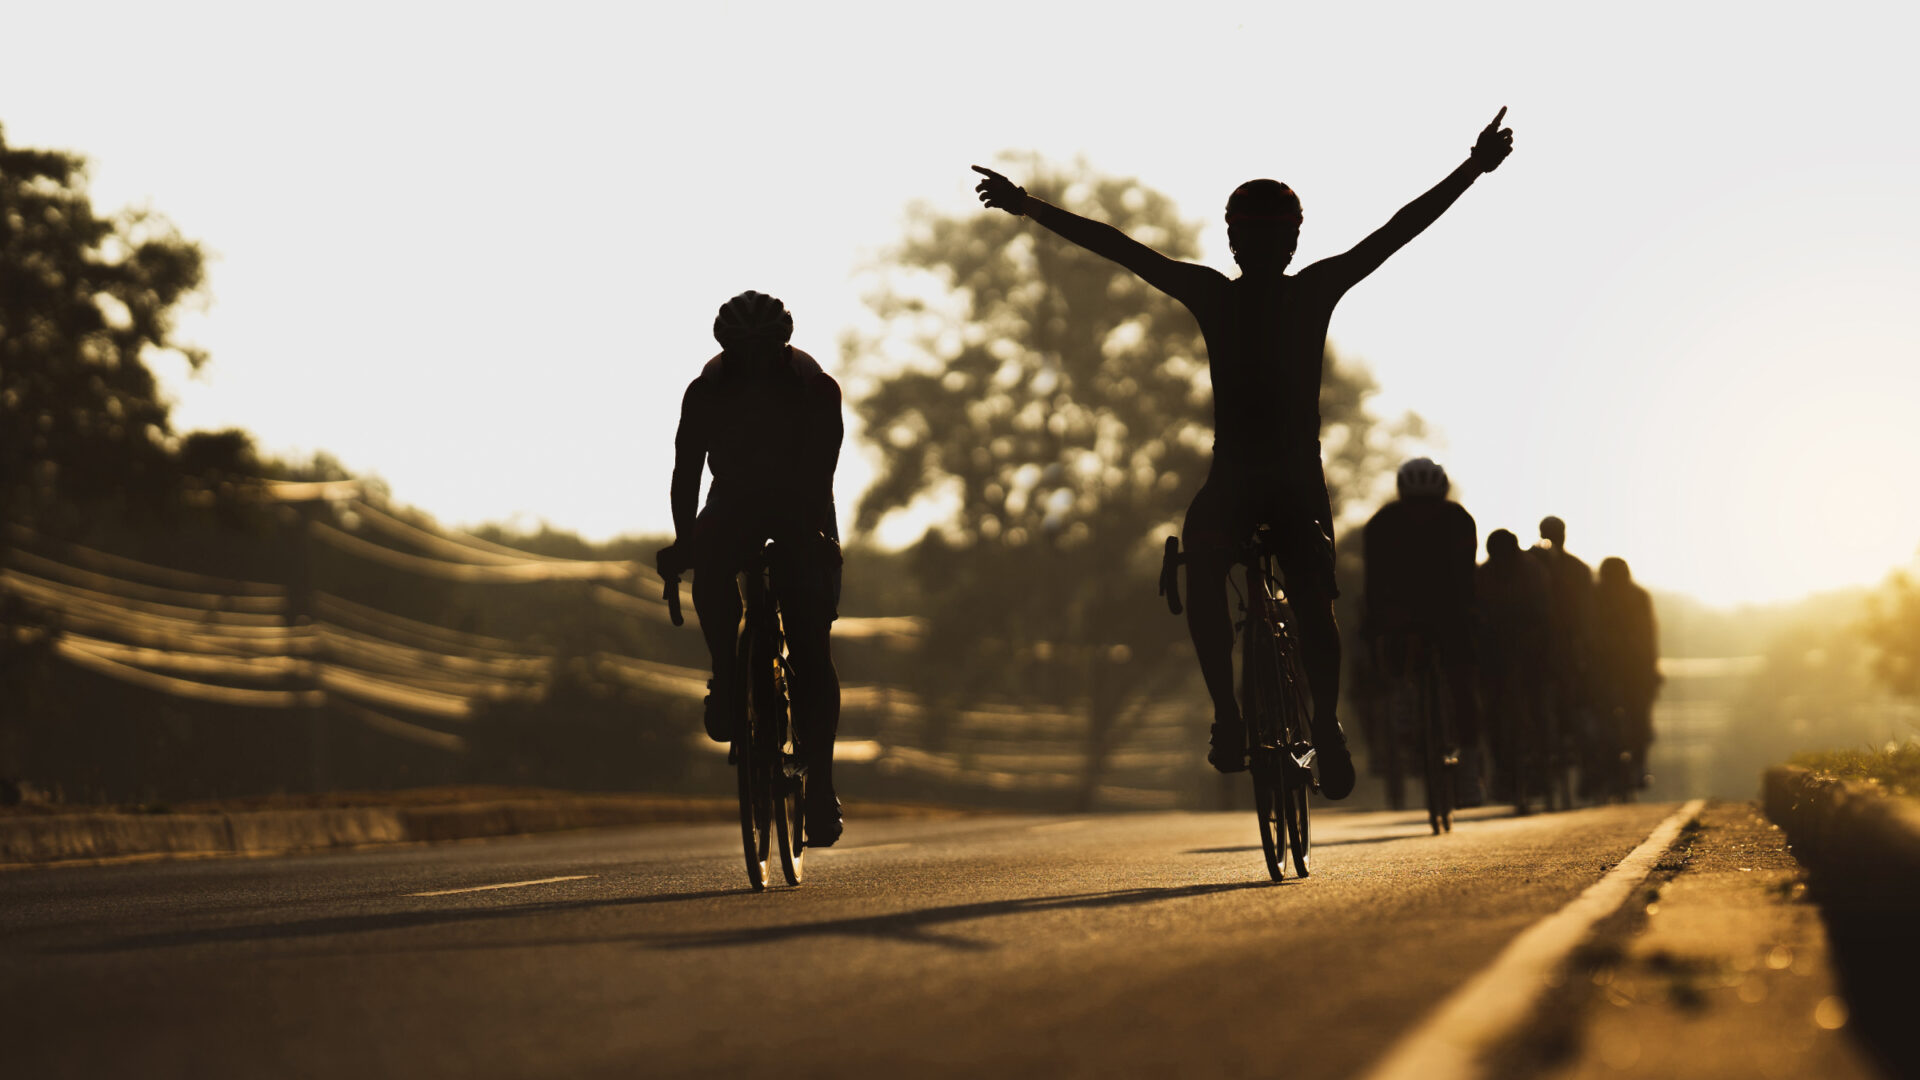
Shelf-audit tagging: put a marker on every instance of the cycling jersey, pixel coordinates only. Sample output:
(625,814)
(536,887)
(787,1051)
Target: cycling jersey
(772,444)
(1420,567)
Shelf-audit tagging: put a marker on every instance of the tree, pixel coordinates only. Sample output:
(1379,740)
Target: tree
(1893,628)
(84,301)
(1053,411)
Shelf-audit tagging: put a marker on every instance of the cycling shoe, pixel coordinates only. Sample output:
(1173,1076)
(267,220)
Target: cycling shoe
(1227,747)
(1336,771)
(719,718)
(823,818)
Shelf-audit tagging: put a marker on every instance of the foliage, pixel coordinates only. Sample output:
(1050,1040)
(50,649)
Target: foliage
(84,301)
(1053,411)
(1893,627)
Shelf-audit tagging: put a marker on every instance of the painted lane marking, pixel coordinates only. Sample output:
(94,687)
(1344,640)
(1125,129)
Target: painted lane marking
(505,885)
(1453,1041)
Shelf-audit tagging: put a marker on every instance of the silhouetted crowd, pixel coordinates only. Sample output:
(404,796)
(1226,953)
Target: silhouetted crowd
(1547,675)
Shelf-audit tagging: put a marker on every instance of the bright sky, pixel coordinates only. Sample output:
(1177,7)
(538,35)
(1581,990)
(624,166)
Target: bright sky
(476,248)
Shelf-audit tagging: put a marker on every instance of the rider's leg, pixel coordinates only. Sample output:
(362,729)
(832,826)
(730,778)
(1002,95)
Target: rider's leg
(1211,626)
(722,544)
(1209,536)
(1307,561)
(806,589)
(716,600)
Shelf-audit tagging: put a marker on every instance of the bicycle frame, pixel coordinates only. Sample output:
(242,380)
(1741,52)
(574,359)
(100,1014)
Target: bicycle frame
(772,780)
(1276,702)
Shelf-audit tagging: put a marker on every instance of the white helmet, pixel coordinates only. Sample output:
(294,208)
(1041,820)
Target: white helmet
(1423,477)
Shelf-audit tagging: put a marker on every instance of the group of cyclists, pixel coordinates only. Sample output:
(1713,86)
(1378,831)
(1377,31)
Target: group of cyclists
(764,419)
(1548,673)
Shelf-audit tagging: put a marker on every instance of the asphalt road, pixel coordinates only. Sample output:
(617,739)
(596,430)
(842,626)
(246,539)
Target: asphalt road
(1137,945)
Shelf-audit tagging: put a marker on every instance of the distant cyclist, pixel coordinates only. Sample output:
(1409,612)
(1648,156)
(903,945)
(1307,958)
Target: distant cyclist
(1626,666)
(1266,334)
(765,420)
(1419,552)
(1570,612)
(1510,597)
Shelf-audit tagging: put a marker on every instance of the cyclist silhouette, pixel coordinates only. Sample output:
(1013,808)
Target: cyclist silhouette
(765,420)
(1510,595)
(1266,334)
(1626,666)
(1419,553)
(1570,614)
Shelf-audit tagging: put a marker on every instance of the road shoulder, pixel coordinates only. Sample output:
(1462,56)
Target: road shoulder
(1722,968)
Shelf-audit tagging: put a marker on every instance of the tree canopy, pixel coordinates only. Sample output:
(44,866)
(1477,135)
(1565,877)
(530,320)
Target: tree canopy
(85,300)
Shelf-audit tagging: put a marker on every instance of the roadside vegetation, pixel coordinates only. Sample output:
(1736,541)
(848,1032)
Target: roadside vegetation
(1895,765)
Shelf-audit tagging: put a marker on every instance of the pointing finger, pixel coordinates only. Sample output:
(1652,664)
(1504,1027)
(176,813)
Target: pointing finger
(984,171)
(1502,116)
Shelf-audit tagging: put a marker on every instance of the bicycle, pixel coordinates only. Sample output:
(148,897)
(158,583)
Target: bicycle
(1419,694)
(1275,701)
(772,779)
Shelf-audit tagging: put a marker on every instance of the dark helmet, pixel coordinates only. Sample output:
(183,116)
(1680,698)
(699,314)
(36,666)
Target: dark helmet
(1422,478)
(752,317)
(1263,200)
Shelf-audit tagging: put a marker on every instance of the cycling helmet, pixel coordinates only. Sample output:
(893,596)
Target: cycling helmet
(1263,200)
(1422,477)
(752,317)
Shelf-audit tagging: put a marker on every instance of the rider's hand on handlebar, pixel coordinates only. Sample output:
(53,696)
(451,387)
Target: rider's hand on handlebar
(671,561)
(1000,193)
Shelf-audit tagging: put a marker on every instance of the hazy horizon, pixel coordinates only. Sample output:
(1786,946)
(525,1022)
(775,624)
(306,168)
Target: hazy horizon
(1680,317)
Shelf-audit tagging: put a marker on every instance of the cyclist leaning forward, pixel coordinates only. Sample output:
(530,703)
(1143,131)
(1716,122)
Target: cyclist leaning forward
(765,420)
(1266,334)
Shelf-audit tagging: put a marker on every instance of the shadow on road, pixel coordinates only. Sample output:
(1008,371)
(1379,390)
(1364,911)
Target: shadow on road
(393,920)
(910,926)
(913,926)
(1316,846)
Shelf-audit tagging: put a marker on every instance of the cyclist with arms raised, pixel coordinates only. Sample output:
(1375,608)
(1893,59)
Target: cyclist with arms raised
(765,420)
(1266,334)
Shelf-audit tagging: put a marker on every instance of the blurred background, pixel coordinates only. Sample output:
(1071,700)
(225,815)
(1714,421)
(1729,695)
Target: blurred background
(341,351)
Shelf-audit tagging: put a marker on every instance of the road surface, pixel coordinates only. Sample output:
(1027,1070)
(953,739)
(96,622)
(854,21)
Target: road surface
(1132,945)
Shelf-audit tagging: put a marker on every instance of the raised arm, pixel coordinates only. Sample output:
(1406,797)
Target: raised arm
(1177,279)
(1493,146)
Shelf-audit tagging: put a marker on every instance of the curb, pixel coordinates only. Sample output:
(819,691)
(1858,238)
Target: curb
(1860,843)
(64,838)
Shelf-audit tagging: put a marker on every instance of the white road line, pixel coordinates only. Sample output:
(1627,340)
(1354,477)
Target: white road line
(1452,1043)
(505,885)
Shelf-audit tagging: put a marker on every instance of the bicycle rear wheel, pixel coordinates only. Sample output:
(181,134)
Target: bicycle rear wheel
(756,812)
(789,824)
(1293,797)
(1267,801)
(1439,762)
(1296,735)
(784,783)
